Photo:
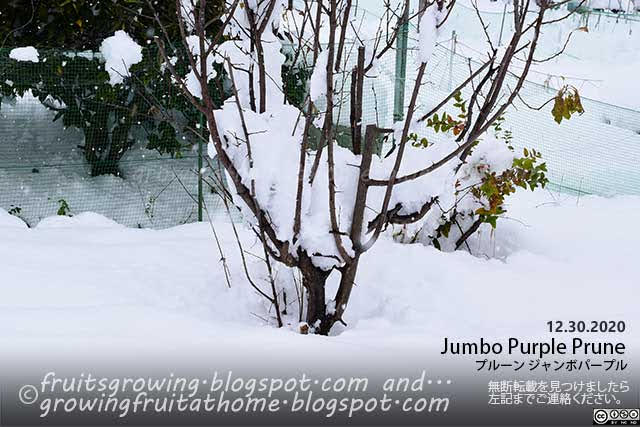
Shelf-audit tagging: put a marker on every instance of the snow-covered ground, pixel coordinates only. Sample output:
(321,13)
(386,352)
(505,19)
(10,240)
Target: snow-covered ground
(88,284)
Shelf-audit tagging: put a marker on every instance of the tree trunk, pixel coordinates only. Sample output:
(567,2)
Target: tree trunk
(104,149)
(314,280)
(347,280)
(105,167)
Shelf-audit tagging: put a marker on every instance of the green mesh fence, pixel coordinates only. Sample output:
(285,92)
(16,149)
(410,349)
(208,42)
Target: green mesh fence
(155,182)
(595,153)
(70,143)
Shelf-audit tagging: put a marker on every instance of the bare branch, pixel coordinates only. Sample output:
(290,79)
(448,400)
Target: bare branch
(403,142)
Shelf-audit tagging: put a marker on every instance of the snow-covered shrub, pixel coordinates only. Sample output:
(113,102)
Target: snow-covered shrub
(488,174)
(318,206)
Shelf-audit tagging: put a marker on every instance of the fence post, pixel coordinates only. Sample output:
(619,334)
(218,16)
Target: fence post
(200,166)
(454,43)
(401,68)
(504,14)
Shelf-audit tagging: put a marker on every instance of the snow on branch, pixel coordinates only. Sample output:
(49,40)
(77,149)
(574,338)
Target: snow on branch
(120,52)
(318,203)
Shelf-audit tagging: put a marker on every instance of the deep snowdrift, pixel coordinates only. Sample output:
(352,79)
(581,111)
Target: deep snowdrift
(88,283)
